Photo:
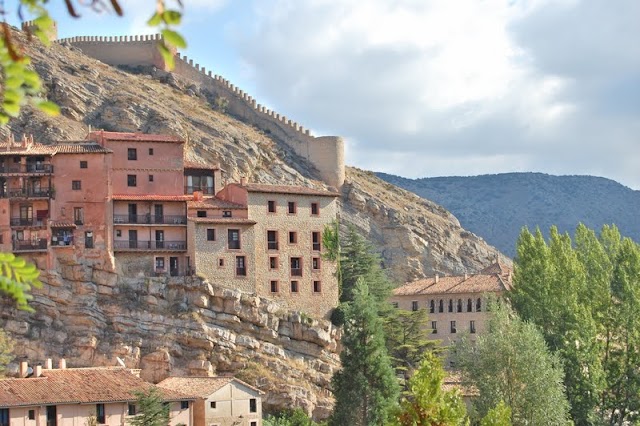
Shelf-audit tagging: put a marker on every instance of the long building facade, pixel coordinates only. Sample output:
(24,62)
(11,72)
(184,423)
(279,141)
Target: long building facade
(130,202)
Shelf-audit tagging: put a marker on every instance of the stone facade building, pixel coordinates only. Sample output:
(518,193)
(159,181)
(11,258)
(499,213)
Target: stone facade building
(455,304)
(129,200)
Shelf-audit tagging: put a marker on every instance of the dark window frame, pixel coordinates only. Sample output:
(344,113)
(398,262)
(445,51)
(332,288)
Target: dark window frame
(132,180)
(84,164)
(132,154)
(211,234)
(76,185)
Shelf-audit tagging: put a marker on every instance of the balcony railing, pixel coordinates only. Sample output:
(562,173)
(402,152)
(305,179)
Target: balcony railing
(62,241)
(241,272)
(316,246)
(27,168)
(29,245)
(206,190)
(26,193)
(145,219)
(296,272)
(28,222)
(150,245)
(272,245)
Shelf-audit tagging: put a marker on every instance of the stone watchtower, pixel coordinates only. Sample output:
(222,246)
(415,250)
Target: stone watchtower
(30,27)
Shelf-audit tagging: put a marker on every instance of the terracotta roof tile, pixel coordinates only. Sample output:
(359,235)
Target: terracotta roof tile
(287,189)
(34,149)
(81,148)
(195,165)
(152,197)
(61,224)
(222,220)
(201,386)
(496,268)
(132,137)
(454,284)
(78,385)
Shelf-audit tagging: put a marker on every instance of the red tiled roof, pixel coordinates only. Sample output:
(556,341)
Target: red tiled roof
(201,387)
(454,284)
(194,165)
(60,148)
(132,137)
(81,148)
(152,197)
(214,203)
(78,385)
(61,224)
(222,220)
(34,149)
(287,189)
(496,268)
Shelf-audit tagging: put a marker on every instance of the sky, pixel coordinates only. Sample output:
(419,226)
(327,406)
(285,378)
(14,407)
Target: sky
(422,88)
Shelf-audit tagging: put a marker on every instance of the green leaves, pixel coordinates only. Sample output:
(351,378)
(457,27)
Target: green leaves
(171,39)
(17,277)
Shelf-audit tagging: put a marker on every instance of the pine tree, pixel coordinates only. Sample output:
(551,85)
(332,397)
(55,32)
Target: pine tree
(365,388)
(152,411)
(500,415)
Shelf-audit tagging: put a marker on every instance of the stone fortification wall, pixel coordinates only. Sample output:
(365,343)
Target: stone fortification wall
(121,50)
(31,27)
(325,153)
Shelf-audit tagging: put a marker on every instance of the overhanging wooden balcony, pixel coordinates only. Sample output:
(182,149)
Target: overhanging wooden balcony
(138,246)
(141,219)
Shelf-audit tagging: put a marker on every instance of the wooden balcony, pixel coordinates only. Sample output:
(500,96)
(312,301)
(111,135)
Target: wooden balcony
(132,245)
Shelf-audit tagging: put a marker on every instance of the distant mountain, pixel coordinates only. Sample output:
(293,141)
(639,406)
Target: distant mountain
(496,207)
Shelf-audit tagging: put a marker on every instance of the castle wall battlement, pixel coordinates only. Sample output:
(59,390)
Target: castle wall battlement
(325,153)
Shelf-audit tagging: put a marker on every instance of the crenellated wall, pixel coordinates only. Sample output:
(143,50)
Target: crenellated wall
(326,153)
(30,27)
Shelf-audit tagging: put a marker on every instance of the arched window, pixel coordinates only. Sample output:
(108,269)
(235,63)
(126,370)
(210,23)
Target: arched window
(450,305)
(479,305)
(432,306)
(469,305)
(459,305)
(441,306)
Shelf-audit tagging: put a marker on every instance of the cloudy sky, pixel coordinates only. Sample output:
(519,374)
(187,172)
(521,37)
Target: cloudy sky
(431,88)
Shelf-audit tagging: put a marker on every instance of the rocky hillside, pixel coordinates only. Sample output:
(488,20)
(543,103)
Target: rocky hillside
(90,315)
(498,206)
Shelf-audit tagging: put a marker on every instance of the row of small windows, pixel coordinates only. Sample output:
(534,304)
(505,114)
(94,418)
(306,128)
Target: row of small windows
(233,239)
(296,264)
(292,207)
(452,306)
(452,327)
(132,153)
(294,286)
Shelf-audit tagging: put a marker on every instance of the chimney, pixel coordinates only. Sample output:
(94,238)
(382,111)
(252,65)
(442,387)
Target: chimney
(466,276)
(63,364)
(437,277)
(38,371)
(48,364)
(24,367)
(243,181)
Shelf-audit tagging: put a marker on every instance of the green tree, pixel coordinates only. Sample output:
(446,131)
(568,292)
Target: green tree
(512,363)
(407,338)
(426,403)
(296,417)
(152,411)
(17,277)
(500,415)
(365,388)
(6,349)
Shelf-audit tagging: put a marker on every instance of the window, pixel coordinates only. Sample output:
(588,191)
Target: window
(233,236)
(4,417)
(272,240)
(119,233)
(88,239)
(296,267)
(150,151)
(414,305)
(273,262)
(315,210)
(394,304)
(441,306)
(32,414)
(150,178)
(211,234)
(450,305)
(253,405)
(271,206)
(78,215)
(132,154)
(201,213)
(220,263)
(274,286)
(241,268)
(76,185)
(292,207)
(293,237)
(469,305)
(254,424)
(472,327)
(315,239)
(453,327)
(479,305)
(184,405)
(159,263)
(315,263)
(434,327)
(132,180)
(294,286)
(459,305)
(132,409)
(100,417)
(432,307)
(212,404)
(317,287)
(226,213)
(83,164)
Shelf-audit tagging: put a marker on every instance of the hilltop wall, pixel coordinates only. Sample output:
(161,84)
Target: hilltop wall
(325,153)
